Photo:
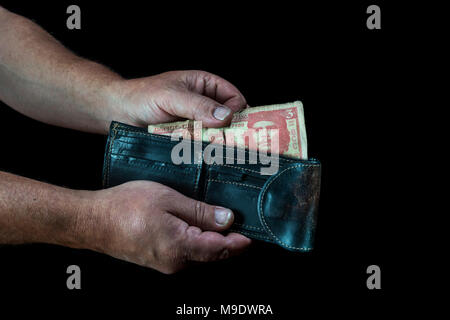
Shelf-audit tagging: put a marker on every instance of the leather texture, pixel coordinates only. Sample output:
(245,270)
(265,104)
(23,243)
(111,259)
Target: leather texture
(280,208)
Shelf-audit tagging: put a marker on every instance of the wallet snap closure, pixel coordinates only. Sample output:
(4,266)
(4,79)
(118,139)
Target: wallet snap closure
(288,203)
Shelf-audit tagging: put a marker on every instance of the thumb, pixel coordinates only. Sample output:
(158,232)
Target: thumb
(195,106)
(202,215)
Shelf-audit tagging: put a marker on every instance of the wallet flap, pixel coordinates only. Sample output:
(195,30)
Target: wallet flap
(287,205)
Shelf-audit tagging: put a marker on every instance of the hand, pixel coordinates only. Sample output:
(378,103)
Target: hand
(170,96)
(154,226)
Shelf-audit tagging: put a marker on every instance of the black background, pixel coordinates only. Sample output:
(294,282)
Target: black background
(320,53)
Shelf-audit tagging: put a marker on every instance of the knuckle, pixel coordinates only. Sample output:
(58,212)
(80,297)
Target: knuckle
(177,250)
(204,104)
(199,75)
(165,191)
(200,213)
(242,99)
(165,196)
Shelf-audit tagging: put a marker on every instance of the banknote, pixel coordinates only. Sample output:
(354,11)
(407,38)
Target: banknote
(277,128)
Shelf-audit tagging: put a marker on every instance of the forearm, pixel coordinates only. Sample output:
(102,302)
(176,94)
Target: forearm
(32,211)
(43,80)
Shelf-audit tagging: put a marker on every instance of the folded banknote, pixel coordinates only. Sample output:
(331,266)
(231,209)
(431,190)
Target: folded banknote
(277,128)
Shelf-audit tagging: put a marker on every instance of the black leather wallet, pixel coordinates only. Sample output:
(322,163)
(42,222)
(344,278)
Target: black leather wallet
(280,208)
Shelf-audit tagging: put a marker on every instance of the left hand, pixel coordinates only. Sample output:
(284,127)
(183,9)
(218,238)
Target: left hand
(171,96)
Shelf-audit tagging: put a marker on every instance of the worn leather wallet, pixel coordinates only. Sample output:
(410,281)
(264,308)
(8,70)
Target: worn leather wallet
(279,208)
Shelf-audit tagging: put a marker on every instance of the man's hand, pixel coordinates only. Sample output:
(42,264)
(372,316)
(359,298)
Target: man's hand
(195,95)
(141,222)
(155,226)
(45,81)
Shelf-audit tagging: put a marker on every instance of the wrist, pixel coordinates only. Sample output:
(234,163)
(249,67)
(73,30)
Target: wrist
(36,212)
(90,230)
(98,93)
(79,221)
(116,102)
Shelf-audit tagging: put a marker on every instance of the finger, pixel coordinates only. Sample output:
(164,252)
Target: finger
(200,214)
(218,89)
(202,108)
(211,246)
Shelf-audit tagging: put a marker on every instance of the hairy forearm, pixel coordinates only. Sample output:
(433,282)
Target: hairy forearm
(40,78)
(36,212)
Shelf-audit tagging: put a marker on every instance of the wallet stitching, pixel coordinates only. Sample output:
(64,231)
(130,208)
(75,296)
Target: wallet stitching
(108,163)
(262,213)
(250,227)
(207,188)
(156,136)
(205,191)
(236,183)
(197,175)
(228,166)
(162,143)
(248,152)
(179,167)
(252,234)
(165,169)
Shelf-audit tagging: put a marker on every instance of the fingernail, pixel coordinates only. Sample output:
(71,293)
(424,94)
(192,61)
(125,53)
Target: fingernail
(220,113)
(222,216)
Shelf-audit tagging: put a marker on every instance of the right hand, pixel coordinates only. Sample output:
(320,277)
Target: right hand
(155,226)
(175,95)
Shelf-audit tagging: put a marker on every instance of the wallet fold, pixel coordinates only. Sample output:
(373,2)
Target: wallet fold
(279,208)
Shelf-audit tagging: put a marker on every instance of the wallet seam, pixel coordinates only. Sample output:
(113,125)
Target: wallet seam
(198,174)
(152,160)
(250,227)
(108,163)
(253,234)
(158,167)
(234,167)
(207,186)
(206,178)
(260,210)
(236,183)
(154,141)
